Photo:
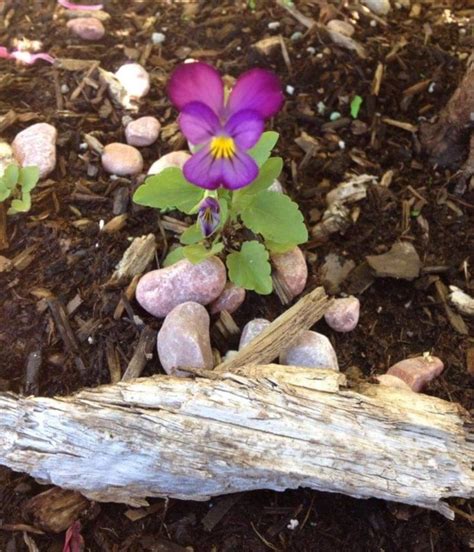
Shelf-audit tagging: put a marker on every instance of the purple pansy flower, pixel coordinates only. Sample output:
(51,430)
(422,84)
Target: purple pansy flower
(208,216)
(223,130)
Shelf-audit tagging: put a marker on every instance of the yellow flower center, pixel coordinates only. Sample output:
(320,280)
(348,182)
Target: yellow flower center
(222,146)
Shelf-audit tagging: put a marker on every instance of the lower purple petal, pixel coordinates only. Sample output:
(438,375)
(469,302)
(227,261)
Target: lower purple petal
(245,127)
(239,171)
(198,122)
(200,170)
(196,82)
(259,90)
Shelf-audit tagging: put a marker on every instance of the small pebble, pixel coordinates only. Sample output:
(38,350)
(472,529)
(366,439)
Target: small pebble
(142,132)
(335,115)
(64,89)
(251,330)
(392,381)
(184,340)
(310,350)
(341,27)
(343,315)
(135,79)
(173,159)
(379,7)
(122,160)
(297,35)
(267,45)
(36,145)
(274,25)
(159,291)
(229,300)
(87,28)
(158,38)
(311,50)
(418,371)
(290,89)
(291,269)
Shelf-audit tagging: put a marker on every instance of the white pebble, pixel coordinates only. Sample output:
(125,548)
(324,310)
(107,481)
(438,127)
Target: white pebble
(293,524)
(296,35)
(342,144)
(274,25)
(290,89)
(158,38)
(64,88)
(432,87)
(101,224)
(373,23)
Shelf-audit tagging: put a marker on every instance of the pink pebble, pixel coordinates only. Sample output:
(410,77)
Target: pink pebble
(36,145)
(392,381)
(292,270)
(122,160)
(87,28)
(310,350)
(418,371)
(173,159)
(184,340)
(252,329)
(143,131)
(343,314)
(229,300)
(159,291)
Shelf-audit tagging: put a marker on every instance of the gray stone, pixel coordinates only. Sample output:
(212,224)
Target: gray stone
(401,262)
(173,159)
(380,7)
(229,300)
(36,145)
(159,291)
(184,341)
(251,330)
(310,350)
(343,315)
(87,28)
(122,160)
(142,132)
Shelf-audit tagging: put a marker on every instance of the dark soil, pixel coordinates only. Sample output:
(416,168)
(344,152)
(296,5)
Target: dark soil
(398,319)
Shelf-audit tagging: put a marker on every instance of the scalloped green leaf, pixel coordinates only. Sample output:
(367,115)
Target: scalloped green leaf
(250,268)
(276,218)
(198,252)
(269,172)
(263,148)
(191,235)
(169,190)
(11,175)
(174,256)
(22,205)
(28,178)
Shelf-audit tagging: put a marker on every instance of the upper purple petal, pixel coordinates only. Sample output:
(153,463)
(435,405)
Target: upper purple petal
(198,122)
(196,82)
(239,171)
(259,90)
(245,127)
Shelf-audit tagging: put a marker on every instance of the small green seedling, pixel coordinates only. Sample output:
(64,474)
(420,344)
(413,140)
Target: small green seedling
(355,106)
(18,183)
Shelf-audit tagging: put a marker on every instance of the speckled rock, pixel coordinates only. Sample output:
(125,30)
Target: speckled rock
(417,371)
(135,79)
(380,7)
(392,381)
(251,330)
(87,28)
(173,159)
(310,350)
(343,314)
(292,270)
(159,291)
(36,145)
(122,160)
(342,27)
(184,341)
(229,300)
(6,157)
(143,131)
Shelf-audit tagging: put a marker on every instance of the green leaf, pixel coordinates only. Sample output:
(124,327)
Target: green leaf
(278,248)
(10,176)
(169,189)
(355,106)
(191,235)
(22,205)
(198,252)
(267,175)
(223,213)
(263,148)
(276,218)
(250,268)
(4,190)
(28,178)
(174,256)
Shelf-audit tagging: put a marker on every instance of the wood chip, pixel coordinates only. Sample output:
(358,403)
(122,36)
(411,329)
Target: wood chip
(143,353)
(136,258)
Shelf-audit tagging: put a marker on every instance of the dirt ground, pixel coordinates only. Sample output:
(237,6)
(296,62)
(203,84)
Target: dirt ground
(58,247)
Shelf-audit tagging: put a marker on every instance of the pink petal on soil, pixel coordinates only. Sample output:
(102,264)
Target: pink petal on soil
(81,7)
(29,58)
(4,53)
(73,541)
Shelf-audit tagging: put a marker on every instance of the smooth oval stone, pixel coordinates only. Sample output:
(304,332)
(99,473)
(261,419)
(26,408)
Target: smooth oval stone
(341,27)
(292,270)
(87,28)
(122,160)
(251,330)
(417,371)
(36,145)
(229,300)
(184,341)
(159,291)
(173,159)
(143,131)
(343,314)
(392,381)
(135,79)
(310,350)
(380,7)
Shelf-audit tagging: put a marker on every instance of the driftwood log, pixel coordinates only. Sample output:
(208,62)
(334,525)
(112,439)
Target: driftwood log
(260,427)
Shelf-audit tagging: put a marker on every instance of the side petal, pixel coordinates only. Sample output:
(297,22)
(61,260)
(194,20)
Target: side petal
(198,122)
(259,90)
(245,127)
(201,171)
(196,82)
(239,171)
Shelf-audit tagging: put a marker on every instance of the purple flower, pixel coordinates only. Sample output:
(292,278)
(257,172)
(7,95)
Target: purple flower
(208,216)
(223,130)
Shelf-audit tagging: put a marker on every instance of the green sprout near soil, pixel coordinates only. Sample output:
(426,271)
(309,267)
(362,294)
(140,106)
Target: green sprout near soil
(356,104)
(17,183)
